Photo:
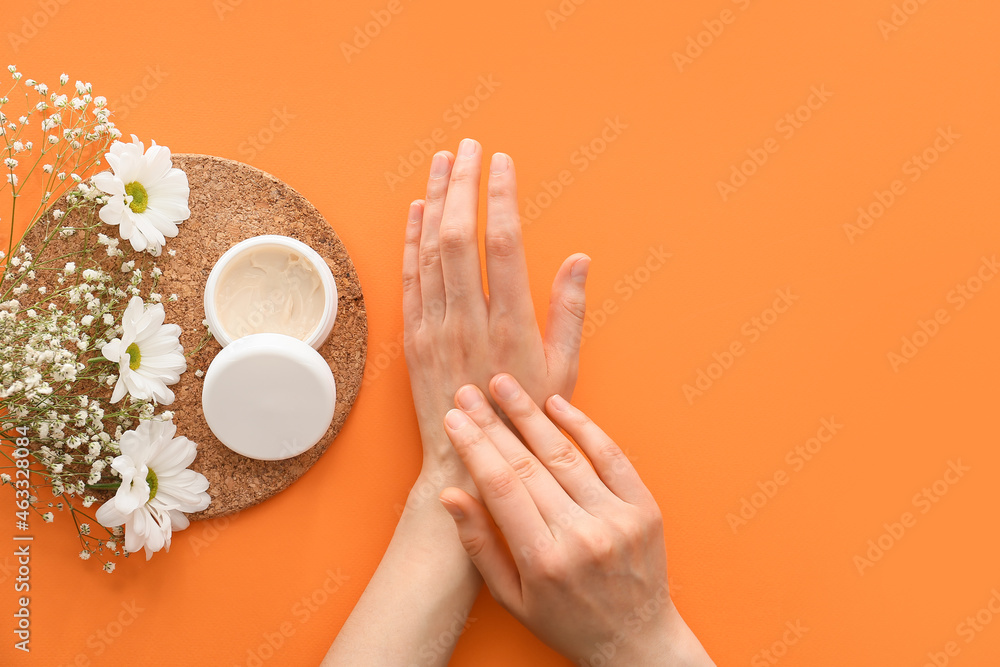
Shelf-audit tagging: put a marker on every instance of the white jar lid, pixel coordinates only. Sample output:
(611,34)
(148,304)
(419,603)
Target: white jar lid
(269,396)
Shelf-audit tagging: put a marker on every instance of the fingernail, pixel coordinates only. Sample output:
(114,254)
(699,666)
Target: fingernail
(415,212)
(468,398)
(467,148)
(439,165)
(559,403)
(579,270)
(499,163)
(454,510)
(455,419)
(506,388)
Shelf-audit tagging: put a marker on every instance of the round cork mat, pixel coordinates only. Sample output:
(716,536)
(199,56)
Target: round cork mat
(231,201)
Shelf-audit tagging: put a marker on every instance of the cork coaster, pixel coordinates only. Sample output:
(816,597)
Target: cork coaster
(229,202)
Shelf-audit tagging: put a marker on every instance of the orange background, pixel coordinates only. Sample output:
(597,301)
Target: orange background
(225,69)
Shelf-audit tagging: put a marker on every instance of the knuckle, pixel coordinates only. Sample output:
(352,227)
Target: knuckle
(552,567)
(474,544)
(411,281)
(600,547)
(454,239)
(562,454)
(501,484)
(500,189)
(503,244)
(430,256)
(526,467)
(610,451)
(575,305)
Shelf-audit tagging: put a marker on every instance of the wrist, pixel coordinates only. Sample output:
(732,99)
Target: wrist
(436,475)
(667,641)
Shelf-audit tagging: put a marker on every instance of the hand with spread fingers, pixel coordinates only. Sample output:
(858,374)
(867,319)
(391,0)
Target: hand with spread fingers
(569,541)
(453,333)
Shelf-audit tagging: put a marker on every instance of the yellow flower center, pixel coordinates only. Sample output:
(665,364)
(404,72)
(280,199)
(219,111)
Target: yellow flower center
(153,483)
(133,356)
(140,200)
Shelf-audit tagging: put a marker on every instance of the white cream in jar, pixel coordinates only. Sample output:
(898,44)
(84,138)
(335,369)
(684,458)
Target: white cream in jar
(271,284)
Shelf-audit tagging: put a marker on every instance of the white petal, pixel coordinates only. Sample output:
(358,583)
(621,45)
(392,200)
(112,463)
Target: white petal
(110,216)
(108,183)
(112,351)
(108,515)
(120,390)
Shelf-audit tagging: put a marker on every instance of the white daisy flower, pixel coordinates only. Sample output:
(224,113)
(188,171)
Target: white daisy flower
(149,354)
(156,489)
(149,197)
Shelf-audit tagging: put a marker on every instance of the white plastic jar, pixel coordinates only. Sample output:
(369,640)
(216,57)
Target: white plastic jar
(271,284)
(270,302)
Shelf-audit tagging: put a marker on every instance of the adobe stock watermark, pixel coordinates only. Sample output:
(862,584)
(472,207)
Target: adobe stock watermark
(922,501)
(624,288)
(223,7)
(367,32)
(581,159)
(7,569)
(453,117)
(632,624)
(898,17)
(914,167)
(786,126)
(958,297)
(703,39)
(101,640)
(768,488)
(752,330)
(967,630)
(302,611)
(210,532)
(124,104)
(431,651)
(276,124)
(772,655)
(562,12)
(32,24)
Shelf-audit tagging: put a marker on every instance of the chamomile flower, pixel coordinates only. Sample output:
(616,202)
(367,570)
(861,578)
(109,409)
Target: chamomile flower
(157,487)
(149,354)
(148,196)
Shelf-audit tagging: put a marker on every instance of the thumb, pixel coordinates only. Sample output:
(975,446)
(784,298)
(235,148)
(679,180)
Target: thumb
(564,328)
(488,553)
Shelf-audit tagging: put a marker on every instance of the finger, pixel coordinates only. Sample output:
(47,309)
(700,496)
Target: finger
(510,504)
(610,462)
(431,278)
(564,461)
(459,236)
(564,327)
(411,268)
(506,266)
(488,552)
(553,503)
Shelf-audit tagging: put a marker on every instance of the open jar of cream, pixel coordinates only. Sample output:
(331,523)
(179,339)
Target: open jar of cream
(271,284)
(270,302)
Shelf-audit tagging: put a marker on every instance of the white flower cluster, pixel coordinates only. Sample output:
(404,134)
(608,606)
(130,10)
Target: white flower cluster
(85,329)
(70,122)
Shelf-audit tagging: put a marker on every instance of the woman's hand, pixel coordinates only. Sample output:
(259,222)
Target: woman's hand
(453,333)
(581,561)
